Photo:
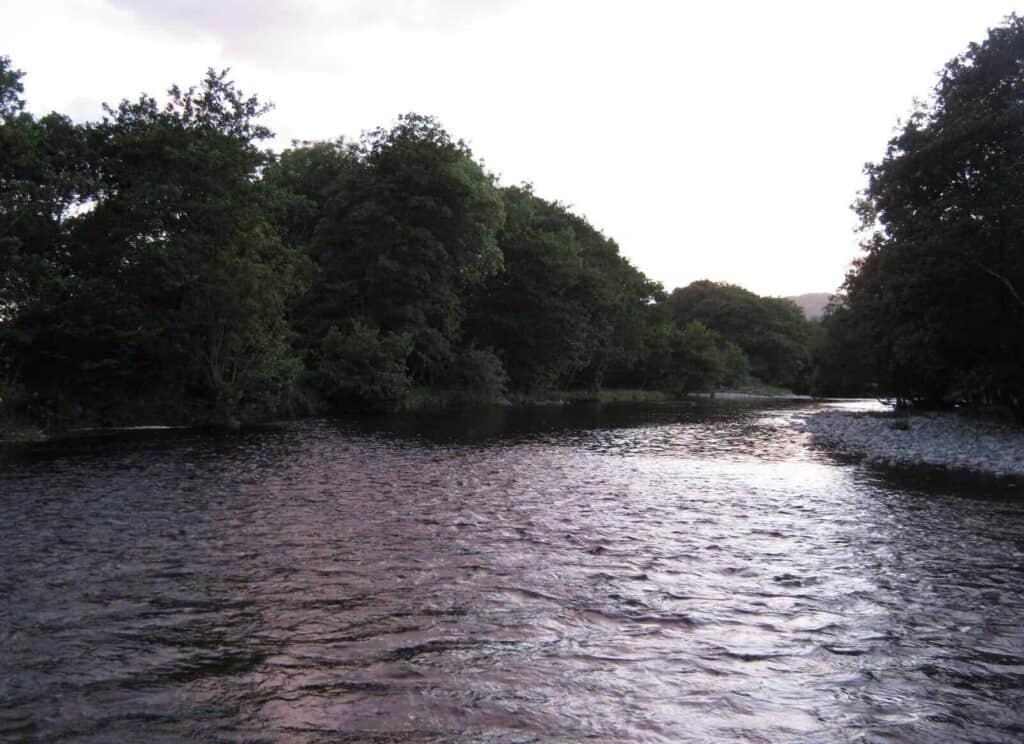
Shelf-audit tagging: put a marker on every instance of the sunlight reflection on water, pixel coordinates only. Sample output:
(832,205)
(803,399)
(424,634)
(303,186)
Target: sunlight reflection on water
(634,574)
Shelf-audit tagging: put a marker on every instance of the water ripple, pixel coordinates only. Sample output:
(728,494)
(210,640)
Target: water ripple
(664,574)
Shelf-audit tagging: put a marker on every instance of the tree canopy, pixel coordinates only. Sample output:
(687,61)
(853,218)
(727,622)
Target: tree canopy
(160,265)
(936,303)
(145,264)
(771,331)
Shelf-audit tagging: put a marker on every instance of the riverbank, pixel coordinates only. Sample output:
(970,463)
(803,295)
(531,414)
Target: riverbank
(418,401)
(743,395)
(945,440)
(19,434)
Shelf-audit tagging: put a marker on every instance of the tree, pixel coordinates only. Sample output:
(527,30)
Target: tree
(939,289)
(772,332)
(363,368)
(531,310)
(404,238)
(170,284)
(46,176)
(698,362)
(304,179)
(841,353)
(11,90)
(481,376)
(617,297)
(691,359)
(566,309)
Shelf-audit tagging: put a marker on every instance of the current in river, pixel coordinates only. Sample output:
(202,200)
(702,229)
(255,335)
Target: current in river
(694,571)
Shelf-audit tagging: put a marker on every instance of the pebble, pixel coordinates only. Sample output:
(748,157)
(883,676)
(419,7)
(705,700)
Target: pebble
(939,439)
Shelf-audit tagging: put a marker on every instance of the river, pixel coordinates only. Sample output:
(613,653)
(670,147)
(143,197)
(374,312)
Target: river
(623,573)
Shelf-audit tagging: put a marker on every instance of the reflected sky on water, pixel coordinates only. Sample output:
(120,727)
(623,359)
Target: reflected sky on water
(692,571)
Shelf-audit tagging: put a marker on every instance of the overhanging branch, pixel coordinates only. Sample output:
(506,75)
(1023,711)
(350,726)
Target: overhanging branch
(1004,280)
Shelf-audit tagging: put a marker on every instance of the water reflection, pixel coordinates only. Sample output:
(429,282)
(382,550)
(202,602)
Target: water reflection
(647,574)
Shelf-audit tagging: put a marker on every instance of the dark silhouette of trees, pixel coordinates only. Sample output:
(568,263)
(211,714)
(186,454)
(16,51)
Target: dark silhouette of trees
(771,331)
(935,303)
(169,283)
(158,265)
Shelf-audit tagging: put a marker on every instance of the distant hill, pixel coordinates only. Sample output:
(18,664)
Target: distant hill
(813,304)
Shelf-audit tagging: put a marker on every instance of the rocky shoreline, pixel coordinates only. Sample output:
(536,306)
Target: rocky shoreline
(941,439)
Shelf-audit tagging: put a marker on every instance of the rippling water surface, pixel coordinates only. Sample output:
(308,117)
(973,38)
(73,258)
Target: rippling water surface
(625,574)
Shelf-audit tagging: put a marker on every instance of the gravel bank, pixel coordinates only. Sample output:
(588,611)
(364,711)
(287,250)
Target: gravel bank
(944,439)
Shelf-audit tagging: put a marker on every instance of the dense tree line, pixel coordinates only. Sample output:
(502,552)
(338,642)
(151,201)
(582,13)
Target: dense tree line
(771,332)
(140,265)
(159,265)
(933,312)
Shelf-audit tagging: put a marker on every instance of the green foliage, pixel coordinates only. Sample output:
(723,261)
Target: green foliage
(936,300)
(407,231)
(481,375)
(363,368)
(692,359)
(45,177)
(302,181)
(531,312)
(158,265)
(239,337)
(11,90)
(735,365)
(699,365)
(170,278)
(841,353)
(619,298)
(772,332)
(566,308)
(13,402)
(179,234)
(657,365)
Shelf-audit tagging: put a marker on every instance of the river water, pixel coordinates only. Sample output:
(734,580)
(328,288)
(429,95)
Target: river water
(679,572)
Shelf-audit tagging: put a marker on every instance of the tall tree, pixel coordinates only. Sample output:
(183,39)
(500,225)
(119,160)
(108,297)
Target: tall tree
(531,312)
(567,309)
(771,331)
(618,297)
(941,284)
(405,236)
(46,177)
(174,283)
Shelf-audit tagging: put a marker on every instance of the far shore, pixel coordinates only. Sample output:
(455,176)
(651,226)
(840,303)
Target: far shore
(740,395)
(433,400)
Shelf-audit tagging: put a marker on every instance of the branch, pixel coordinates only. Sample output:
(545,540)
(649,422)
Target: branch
(1004,280)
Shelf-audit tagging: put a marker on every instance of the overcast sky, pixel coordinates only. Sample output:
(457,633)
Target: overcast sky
(710,140)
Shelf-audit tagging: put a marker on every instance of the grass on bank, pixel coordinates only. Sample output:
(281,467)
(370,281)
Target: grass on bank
(425,399)
(614,395)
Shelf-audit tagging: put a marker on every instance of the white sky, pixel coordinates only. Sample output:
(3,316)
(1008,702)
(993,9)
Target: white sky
(710,140)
